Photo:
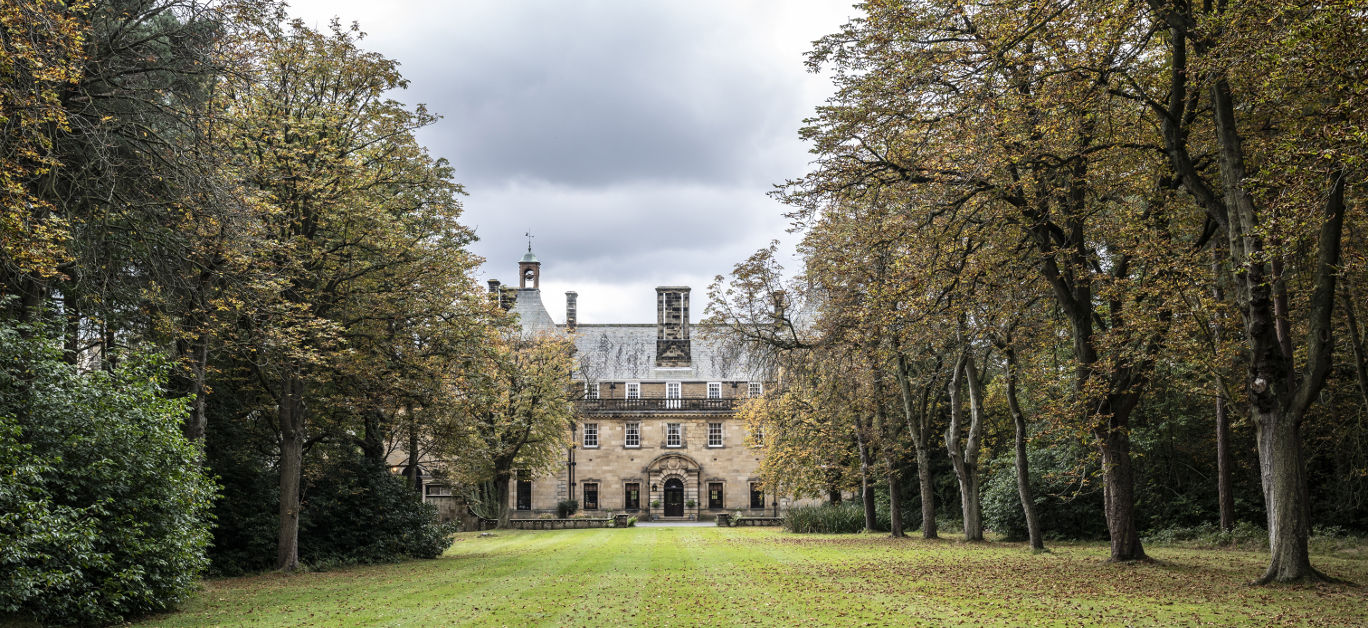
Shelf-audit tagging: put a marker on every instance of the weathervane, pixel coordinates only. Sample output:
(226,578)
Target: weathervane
(529,240)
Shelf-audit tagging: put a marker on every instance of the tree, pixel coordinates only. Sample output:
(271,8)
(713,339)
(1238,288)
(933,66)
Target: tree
(1267,93)
(806,426)
(516,393)
(42,55)
(353,214)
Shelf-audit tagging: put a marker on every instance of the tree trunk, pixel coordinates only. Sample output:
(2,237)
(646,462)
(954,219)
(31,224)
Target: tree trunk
(968,480)
(1277,402)
(928,496)
(895,522)
(501,482)
(1282,472)
(198,421)
(866,487)
(72,337)
(1119,495)
(1356,341)
(291,414)
(1028,506)
(372,443)
(1224,495)
(973,517)
(918,426)
(413,470)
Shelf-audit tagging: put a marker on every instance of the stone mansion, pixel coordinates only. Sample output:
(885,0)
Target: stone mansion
(656,433)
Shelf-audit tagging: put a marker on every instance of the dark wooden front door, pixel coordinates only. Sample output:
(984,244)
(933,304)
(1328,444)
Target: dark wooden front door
(674,498)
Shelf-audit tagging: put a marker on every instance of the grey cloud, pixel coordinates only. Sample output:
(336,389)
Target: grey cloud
(636,139)
(587,96)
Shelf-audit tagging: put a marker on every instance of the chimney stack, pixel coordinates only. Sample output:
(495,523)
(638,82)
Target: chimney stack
(571,307)
(672,327)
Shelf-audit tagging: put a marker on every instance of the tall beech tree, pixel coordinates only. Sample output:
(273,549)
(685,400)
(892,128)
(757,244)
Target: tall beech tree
(1259,106)
(347,199)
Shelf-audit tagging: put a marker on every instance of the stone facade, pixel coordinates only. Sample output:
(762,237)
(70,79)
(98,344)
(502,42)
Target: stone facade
(656,434)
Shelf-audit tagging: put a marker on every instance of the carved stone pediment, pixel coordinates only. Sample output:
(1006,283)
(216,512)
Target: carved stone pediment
(672,463)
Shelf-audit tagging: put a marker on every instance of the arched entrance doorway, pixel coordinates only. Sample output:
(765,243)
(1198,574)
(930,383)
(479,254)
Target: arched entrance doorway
(674,498)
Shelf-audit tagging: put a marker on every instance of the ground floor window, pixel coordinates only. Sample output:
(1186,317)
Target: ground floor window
(715,495)
(590,496)
(632,499)
(757,495)
(524,501)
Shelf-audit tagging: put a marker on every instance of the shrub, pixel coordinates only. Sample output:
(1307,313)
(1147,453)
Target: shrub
(103,507)
(843,518)
(357,512)
(1064,511)
(352,512)
(631,522)
(566,508)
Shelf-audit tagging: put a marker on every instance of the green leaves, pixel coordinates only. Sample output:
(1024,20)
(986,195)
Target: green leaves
(103,506)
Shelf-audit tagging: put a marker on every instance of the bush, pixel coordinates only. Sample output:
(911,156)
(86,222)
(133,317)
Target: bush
(1065,513)
(352,512)
(631,522)
(845,518)
(103,507)
(566,508)
(360,513)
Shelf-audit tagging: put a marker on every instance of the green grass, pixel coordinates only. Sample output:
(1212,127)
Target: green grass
(718,576)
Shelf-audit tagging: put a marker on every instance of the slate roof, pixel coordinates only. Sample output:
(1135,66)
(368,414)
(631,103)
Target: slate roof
(532,312)
(626,352)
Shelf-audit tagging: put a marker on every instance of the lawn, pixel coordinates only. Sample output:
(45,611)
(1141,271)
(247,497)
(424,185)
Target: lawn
(718,576)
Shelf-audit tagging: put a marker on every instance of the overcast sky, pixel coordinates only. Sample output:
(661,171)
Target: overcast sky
(636,140)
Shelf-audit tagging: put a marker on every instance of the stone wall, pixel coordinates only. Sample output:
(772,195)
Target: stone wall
(612,465)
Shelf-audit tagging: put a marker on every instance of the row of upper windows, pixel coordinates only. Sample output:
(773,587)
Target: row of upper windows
(673,390)
(674,435)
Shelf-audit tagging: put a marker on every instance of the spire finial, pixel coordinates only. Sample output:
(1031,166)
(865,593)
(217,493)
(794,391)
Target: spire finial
(529,240)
